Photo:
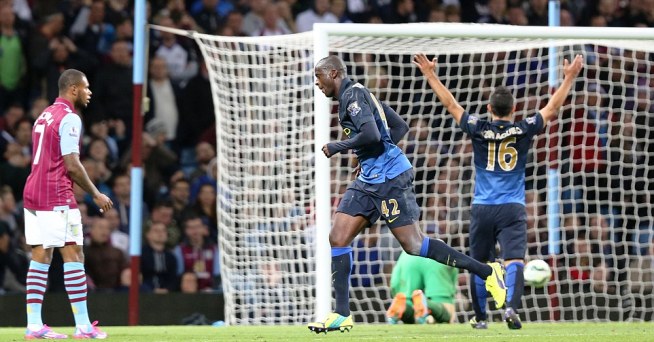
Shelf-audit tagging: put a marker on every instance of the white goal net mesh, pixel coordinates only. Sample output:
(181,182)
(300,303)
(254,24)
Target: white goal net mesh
(601,148)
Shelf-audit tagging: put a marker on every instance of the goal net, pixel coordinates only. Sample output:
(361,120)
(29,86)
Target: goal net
(589,199)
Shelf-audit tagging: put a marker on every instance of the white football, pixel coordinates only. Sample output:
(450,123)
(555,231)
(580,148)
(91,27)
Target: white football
(537,273)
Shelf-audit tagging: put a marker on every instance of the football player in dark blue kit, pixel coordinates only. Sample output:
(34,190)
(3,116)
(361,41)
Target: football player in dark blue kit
(500,155)
(384,187)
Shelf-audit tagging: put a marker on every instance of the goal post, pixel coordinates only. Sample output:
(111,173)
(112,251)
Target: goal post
(278,192)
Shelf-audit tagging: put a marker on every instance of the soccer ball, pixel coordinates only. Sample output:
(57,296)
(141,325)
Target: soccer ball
(537,273)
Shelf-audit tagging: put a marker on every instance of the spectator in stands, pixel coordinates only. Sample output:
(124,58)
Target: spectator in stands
(118,238)
(114,139)
(91,32)
(204,154)
(180,193)
(11,260)
(112,93)
(13,64)
(116,11)
(207,16)
(271,22)
(198,255)
(537,14)
(516,16)
(189,283)
(121,197)
(181,61)
(159,164)
(158,264)
(402,11)
(496,13)
(164,103)
(163,212)
(63,54)
(254,23)
(205,207)
(318,13)
(339,8)
(104,262)
(287,15)
(234,25)
(452,14)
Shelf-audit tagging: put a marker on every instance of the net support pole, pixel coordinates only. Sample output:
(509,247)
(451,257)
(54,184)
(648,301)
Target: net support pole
(323,203)
(136,195)
(553,174)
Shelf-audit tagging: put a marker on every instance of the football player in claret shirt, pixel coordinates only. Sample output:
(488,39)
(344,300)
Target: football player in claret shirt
(52,218)
(500,155)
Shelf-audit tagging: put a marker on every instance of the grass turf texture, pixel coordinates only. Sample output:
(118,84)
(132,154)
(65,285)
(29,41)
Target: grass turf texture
(577,332)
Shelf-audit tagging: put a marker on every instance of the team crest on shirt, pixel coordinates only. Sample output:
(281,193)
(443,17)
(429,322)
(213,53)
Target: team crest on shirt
(472,120)
(531,120)
(354,108)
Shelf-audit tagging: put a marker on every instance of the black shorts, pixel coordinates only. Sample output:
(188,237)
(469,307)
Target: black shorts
(503,223)
(394,200)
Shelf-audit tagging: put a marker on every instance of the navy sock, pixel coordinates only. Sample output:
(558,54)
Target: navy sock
(515,283)
(438,250)
(479,296)
(341,269)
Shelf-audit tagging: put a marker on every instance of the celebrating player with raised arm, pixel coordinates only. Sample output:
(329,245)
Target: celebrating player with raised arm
(500,156)
(52,218)
(384,187)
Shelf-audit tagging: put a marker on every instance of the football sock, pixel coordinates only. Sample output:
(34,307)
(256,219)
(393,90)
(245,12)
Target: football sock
(75,282)
(441,315)
(438,250)
(515,283)
(37,280)
(341,269)
(479,296)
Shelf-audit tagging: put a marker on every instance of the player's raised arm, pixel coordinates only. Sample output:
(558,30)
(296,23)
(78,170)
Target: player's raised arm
(570,72)
(428,69)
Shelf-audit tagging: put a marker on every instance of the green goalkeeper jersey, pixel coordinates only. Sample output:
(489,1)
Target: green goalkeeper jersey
(436,280)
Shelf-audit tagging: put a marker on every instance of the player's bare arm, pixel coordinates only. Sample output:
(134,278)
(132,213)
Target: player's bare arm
(428,69)
(80,177)
(570,72)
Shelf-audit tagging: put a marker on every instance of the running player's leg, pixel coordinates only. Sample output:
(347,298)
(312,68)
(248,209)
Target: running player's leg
(512,237)
(355,212)
(344,230)
(482,244)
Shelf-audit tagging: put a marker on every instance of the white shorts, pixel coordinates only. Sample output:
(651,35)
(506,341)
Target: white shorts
(53,228)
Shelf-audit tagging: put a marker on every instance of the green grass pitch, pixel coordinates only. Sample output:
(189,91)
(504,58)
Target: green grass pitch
(577,332)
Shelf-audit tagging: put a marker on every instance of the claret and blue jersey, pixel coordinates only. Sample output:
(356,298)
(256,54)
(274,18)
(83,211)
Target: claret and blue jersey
(381,161)
(500,156)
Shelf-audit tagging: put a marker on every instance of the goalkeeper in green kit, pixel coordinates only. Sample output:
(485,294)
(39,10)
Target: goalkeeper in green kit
(423,291)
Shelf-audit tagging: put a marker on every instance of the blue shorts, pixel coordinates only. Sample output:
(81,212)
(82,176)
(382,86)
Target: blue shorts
(394,200)
(503,223)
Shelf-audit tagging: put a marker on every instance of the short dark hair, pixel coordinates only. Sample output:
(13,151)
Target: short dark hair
(501,101)
(70,78)
(332,62)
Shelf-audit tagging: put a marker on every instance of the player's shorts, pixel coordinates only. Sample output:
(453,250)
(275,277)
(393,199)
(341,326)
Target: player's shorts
(394,200)
(504,223)
(54,228)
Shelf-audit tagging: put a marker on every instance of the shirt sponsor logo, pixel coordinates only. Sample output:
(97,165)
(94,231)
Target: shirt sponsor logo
(354,108)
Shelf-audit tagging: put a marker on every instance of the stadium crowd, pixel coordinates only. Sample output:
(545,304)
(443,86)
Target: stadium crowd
(40,39)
